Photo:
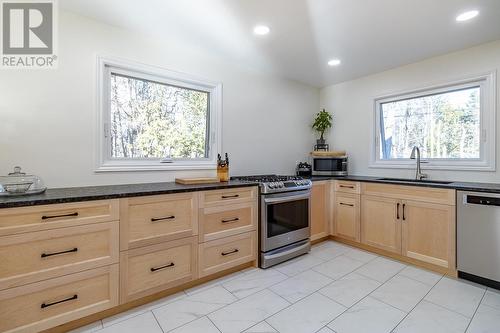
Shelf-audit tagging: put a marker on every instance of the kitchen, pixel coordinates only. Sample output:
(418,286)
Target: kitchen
(115,212)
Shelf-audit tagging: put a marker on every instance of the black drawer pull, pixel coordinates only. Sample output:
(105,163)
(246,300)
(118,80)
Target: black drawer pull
(154,269)
(397,211)
(154,219)
(230,220)
(404,218)
(230,196)
(45,255)
(46,217)
(344,204)
(229,252)
(346,186)
(45,305)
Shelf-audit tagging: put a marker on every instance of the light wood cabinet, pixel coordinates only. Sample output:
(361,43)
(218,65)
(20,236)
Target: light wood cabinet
(347,216)
(429,232)
(229,196)
(380,225)
(320,210)
(346,186)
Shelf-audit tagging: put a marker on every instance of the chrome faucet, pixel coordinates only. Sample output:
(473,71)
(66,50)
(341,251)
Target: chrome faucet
(418,175)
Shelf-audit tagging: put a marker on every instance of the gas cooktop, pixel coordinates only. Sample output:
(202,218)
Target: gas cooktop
(276,183)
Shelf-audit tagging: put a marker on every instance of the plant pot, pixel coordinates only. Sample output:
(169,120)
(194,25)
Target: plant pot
(320,142)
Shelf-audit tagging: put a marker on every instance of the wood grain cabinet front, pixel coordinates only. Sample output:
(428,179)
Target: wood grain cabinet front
(37,256)
(320,210)
(155,219)
(347,219)
(42,305)
(154,268)
(229,196)
(224,253)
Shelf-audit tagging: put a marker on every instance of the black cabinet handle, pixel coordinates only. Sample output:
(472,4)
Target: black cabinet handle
(154,269)
(346,186)
(230,196)
(45,305)
(46,217)
(397,211)
(230,220)
(154,219)
(344,204)
(404,212)
(45,255)
(229,252)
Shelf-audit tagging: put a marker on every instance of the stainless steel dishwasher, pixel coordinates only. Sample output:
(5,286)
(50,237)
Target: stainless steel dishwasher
(478,237)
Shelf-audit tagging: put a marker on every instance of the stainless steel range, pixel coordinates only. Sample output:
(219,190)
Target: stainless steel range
(285,214)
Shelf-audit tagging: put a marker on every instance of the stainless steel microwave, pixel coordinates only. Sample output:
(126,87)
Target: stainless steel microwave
(329,166)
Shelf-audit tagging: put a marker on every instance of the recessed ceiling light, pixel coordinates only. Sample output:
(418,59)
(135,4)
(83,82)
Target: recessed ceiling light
(467,15)
(261,30)
(334,62)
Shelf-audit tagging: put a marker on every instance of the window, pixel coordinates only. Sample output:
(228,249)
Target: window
(453,125)
(153,119)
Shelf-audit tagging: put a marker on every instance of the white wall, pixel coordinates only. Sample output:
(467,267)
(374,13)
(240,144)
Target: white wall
(48,117)
(352,105)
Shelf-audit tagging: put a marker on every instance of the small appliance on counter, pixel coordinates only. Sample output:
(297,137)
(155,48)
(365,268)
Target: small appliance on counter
(19,183)
(303,169)
(329,163)
(223,168)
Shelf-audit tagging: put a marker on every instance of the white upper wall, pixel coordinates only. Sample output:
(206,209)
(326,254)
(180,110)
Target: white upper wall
(352,104)
(48,117)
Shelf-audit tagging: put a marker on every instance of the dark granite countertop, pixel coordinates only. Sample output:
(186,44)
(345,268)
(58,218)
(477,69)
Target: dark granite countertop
(74,194)
(460,186)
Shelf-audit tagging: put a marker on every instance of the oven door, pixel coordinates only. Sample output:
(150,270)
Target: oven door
(284,219)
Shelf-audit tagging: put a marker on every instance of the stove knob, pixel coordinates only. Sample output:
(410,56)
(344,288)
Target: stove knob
(271,185)
(280,184)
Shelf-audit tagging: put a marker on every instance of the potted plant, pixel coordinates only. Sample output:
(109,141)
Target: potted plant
(322,123)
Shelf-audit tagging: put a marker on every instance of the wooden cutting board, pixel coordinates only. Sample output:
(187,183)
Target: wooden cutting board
(331,153)
(192,181)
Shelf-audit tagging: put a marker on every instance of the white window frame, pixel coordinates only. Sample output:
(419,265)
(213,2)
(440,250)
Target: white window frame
(486,162)
(106,65)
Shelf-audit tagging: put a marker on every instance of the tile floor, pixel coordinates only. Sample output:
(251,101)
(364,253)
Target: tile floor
(335,288)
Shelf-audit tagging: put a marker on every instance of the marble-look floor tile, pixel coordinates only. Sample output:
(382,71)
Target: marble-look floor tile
(428,317)
(145,322)
(402,292)
(213,283)
(350,289)
(300,286)
(338,267)
(492,298)
(307,315)
(88,328)
(298,265)
(456,295)
(183,311)
(486,320)
(368,316)
(421,275)
(248,311)
(142,309)
(325,330)
(330,251)
(253,282)
(381,269)
(360,255)
(262,327)
(201,325)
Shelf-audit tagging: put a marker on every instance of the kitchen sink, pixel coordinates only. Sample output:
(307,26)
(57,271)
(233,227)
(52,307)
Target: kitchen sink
(423,181)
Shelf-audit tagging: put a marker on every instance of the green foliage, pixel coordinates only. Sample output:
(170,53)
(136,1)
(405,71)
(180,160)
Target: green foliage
(322,122)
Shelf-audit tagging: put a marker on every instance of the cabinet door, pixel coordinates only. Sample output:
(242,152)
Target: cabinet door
(319,209)
(429,232)
(346,212)
(380,223)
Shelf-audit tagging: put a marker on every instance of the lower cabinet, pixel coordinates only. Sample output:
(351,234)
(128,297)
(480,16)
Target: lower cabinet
(151,269)
(380,226)
(320,209)
(346,216)
(42,305)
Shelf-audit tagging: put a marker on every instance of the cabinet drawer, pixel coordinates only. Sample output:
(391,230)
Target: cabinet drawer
(41,255)
(27,219)
(228,196)
(347,216)
(227,252)
(223,221)
(159,218)
(158,267)
(46,304)
(417,193)
(347,186)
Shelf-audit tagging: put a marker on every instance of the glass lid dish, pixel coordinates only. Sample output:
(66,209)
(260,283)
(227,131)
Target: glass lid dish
(19,183)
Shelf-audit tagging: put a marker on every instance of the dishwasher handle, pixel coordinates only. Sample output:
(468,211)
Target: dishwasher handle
(482,200)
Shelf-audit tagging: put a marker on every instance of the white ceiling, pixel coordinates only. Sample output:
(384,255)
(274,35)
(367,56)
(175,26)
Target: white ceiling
(369,36)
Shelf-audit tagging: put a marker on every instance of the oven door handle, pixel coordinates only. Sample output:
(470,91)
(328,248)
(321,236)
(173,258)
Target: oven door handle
(287,198)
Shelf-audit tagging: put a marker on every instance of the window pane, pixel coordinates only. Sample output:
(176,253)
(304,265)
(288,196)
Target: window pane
(443,126)
(156,120)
